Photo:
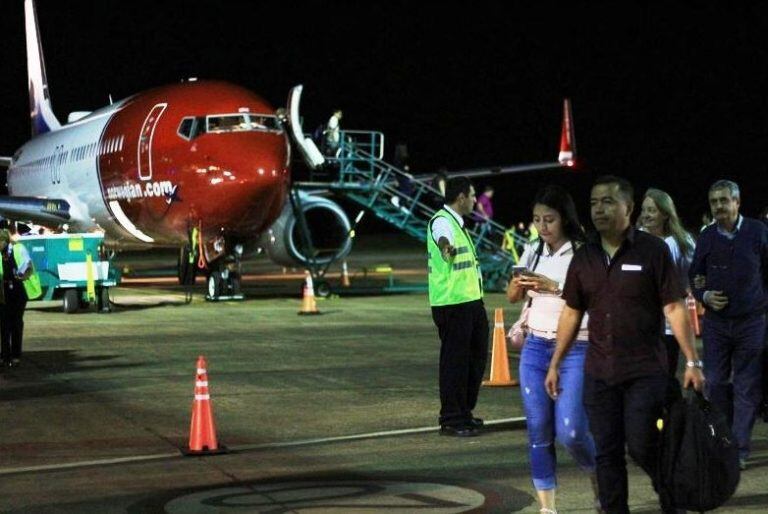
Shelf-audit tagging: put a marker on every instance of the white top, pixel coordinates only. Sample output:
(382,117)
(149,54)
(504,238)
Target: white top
(441,227)
(332,129)
(546,307)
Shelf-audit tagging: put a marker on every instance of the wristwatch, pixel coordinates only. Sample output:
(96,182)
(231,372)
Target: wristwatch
(694,364)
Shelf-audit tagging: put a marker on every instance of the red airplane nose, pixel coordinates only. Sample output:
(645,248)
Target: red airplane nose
(247,179)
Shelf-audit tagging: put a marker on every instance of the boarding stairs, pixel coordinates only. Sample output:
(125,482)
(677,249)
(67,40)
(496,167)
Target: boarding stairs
(407,202)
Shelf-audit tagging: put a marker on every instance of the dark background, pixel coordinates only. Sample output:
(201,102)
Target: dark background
(670,97)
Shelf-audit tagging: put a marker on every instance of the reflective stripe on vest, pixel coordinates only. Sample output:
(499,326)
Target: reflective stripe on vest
(456,281)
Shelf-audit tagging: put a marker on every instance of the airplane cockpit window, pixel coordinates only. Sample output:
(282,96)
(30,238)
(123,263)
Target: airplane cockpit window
(242,122)
(186,127)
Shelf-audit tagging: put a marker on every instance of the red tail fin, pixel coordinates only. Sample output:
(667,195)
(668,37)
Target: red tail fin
(567,155)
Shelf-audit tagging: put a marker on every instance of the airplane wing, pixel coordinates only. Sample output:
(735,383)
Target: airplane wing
(37,210)
(5,161)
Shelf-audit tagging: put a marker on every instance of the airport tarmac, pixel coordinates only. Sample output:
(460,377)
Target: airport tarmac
(329,413)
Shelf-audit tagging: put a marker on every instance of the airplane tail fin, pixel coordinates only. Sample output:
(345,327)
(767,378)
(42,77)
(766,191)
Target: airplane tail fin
(41,113)
(567,155)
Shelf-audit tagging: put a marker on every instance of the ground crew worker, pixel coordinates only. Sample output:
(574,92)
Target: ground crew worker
(509,244)
(20,283)
(456,297)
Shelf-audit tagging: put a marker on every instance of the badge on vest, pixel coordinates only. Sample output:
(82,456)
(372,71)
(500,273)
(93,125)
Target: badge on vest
(631,267)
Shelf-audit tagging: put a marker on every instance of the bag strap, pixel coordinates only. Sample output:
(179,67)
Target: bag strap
(537,256)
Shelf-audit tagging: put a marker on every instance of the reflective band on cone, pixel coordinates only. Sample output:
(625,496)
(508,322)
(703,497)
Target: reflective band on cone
(308,304)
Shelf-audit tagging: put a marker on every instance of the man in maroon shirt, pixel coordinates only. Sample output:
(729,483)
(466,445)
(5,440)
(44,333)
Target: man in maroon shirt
(625,279)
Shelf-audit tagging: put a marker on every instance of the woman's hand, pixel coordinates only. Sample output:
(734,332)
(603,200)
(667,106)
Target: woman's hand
(536,282)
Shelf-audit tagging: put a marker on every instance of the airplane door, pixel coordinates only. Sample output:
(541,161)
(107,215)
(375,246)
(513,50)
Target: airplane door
(306,146)
(144,160)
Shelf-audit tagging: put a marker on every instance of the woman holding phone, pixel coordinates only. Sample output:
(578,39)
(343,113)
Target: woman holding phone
(541,284)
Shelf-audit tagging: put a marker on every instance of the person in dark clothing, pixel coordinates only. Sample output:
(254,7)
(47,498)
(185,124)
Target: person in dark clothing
(626,281)
(729,271)
(20,282)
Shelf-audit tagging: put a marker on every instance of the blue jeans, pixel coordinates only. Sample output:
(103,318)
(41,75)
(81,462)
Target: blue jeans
(547,420)
(733,352)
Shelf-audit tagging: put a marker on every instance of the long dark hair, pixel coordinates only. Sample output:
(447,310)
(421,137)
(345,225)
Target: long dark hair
(557,198)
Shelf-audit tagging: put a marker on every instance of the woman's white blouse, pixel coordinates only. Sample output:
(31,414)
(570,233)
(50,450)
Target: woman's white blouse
(546,307)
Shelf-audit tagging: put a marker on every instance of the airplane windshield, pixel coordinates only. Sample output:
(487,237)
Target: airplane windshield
(241,122)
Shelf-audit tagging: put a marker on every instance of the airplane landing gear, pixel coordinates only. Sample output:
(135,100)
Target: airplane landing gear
(224,281)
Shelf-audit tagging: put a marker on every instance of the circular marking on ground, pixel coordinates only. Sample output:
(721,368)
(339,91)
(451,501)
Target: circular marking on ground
(356,496)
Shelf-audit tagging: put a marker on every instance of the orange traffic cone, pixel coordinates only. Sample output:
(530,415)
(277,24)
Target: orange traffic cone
(693,311)
(344,275)
(499,360)
(308,304)
(202,430)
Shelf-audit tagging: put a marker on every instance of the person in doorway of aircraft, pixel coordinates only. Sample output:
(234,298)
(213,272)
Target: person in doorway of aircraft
(20,283)
(332,133)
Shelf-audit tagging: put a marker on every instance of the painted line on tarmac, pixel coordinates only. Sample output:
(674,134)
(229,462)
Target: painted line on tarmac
(241,448)
(356,437)
(87,463)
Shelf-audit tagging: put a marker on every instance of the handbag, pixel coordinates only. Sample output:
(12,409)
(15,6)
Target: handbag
(519,330)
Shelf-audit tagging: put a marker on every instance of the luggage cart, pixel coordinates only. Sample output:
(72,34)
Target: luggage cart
(73,267)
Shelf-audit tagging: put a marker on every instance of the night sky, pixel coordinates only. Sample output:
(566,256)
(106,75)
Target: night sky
(669,98)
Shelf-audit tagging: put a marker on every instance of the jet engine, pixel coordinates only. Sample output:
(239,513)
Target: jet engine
(328,228)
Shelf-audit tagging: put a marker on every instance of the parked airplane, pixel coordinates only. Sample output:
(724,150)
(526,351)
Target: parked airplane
(200,165)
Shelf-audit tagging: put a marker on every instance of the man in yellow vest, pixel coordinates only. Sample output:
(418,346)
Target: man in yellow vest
(20,283)
(456,297)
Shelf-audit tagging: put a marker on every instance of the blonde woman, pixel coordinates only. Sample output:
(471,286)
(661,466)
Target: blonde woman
(659,217)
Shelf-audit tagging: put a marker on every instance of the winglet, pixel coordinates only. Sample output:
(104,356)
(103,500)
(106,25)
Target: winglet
(41,113)
(567,155)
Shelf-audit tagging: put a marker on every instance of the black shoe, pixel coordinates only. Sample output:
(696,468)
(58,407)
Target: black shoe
(476,422)
(14,363)
(458,430)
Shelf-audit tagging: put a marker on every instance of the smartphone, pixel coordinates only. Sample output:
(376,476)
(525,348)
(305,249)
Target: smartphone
(519,270)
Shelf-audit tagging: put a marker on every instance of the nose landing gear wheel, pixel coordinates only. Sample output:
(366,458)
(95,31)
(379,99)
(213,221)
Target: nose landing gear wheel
(214,285)
(323,289)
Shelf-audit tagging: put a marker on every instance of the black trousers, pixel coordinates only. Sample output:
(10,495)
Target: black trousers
(12,321)
(463,331)
(624,414)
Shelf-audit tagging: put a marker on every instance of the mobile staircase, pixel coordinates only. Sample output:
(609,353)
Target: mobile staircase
(407,202)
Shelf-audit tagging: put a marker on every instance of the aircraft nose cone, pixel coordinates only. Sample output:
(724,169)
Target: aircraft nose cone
(252,186)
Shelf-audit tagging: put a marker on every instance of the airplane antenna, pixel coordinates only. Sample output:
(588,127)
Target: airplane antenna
(110,99)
